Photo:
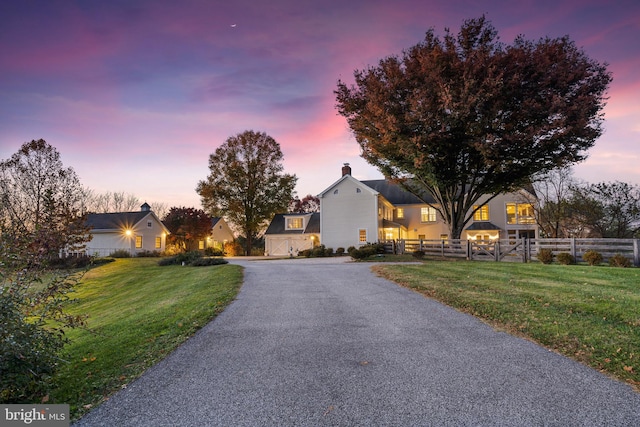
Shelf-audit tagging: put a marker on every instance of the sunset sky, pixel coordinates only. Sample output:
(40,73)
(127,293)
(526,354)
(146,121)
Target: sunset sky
(135,95)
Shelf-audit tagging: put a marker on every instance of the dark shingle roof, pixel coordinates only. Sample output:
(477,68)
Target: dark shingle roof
(482,225)
(114,221)
(277,225)
(395,194)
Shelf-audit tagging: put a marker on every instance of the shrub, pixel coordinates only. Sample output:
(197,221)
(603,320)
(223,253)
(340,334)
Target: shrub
(318,251)
(148,254)
(566,258)
(205,262)
(545,256)
(592,257)
(32,334)
(418,254)
(120,253)
(211,251)
(364,251)
(619,261)
(351,249)
(305,253)
(186,257)
(72,262)
(328,252)
(340,251)
(233,248)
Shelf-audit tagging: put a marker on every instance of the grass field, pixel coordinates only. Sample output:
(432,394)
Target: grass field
(138,313)
(591,314)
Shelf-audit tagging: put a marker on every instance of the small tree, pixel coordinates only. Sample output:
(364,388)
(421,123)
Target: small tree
(246,184)
(308,204)
(465,116)
(40,216)
(607,209)
(187,226)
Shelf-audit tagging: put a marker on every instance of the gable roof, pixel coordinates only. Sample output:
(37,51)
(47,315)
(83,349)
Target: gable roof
(278,224)
(118,220)
(395,194)
(343,178)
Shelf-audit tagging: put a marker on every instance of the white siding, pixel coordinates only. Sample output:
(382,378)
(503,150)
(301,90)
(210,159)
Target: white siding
(345,211)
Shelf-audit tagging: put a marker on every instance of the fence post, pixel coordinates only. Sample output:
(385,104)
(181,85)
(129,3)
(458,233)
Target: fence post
(442,248)
(636,252)
(469,249)
(526,247)
(573,247)
(496,250)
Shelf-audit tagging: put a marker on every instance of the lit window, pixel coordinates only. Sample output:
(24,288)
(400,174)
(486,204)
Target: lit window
(158,242)
(294,223)
(400,213)
(481,214)
(362,235)
(428,214)
(201,244)
(138,242)
(444,237)
(520,213)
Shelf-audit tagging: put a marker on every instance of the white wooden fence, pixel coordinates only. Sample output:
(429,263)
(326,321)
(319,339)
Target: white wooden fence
(522,250)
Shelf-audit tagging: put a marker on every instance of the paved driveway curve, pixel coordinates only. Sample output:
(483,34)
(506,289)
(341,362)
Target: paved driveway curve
(323,342)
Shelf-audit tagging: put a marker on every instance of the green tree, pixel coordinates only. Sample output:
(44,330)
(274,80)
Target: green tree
(465,115)
(246,184)
(40,216)
(187,226)
(607,209)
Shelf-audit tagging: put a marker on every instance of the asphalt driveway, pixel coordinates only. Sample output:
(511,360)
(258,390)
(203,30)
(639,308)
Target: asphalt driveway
(325,342)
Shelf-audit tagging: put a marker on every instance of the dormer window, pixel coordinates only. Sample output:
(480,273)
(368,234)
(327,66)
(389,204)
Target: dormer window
(295,223)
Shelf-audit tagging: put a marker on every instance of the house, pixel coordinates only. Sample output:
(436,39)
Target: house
(288,234)
(220,235)
(133,232)
(356,212)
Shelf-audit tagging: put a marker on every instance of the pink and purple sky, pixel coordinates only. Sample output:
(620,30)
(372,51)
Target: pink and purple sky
(135,95)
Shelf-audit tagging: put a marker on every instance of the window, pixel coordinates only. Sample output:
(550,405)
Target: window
(201,244)
(428,214)
(294,223)
(481,214)
(138,242)
(444,237)
(400,213)
(158,242)
(520,213)
(362,235)
(149,224)
(358,190)
(335,192)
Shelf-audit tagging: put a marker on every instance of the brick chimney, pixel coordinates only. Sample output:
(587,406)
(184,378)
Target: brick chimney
(346,169)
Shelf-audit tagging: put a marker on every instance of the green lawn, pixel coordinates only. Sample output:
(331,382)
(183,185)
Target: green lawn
(138,313)
(591,314)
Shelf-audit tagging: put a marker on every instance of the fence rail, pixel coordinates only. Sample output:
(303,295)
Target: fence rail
(522,250)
